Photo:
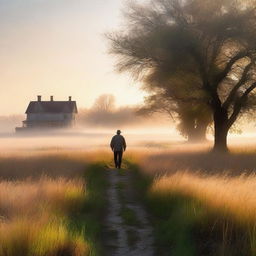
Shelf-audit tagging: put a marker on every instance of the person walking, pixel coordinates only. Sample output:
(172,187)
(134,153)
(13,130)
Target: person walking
(118,146)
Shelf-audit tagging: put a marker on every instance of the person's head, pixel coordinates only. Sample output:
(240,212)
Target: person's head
(118,132)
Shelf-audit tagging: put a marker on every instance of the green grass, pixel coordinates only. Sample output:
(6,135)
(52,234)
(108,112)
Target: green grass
(89,219)
(41,227)
(187,227)
(184,226)
(58,240)
(45,208)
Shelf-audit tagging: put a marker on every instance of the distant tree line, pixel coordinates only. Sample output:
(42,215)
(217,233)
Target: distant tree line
(105,113)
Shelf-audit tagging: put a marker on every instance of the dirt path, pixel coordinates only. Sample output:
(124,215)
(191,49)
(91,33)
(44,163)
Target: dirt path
(127,229)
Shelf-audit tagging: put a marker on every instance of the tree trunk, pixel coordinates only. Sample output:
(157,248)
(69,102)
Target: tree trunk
(220,131)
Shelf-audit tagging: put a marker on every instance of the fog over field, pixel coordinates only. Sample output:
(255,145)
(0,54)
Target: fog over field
(92,139)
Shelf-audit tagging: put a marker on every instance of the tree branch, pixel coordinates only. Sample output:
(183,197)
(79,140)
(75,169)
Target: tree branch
(241,81)
(239,104)
(229,65)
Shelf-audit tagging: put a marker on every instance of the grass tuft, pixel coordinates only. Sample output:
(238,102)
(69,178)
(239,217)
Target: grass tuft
(48,215)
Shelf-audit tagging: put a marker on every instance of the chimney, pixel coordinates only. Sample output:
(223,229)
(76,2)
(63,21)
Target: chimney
(70,98)
(51,98)
(39,98)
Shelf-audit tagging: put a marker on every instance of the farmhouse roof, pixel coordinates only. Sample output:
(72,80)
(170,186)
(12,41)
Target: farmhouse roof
(51,107)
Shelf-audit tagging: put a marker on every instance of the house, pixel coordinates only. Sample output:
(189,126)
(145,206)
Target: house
(49,114)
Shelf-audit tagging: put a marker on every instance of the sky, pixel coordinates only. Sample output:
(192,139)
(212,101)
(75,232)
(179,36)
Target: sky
(57,47)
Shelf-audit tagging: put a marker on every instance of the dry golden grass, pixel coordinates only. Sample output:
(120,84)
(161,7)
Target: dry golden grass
(203,203)
(39,190)
(16,165)
(33,216)
(238,162)
(222,181)
(31,198)
(231,196)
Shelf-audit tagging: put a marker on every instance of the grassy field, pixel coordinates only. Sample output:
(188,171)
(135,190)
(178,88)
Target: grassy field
(201,203)
(52,201)
(34,217)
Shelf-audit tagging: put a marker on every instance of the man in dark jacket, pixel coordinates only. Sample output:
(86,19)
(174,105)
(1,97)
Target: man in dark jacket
(118,146)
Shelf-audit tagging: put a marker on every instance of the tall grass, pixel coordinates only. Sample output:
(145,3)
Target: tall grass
(51,202)
(52,163)
(238,162)
(34,217)
(231,196)
(202,203)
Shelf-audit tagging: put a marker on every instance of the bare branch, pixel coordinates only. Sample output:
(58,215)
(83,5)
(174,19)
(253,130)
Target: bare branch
(227,69)
(241,81)
(239,104)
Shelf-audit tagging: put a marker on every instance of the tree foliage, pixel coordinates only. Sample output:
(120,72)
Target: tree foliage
(191,118)
(193,50)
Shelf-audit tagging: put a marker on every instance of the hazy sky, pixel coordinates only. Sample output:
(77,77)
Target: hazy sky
(57,47)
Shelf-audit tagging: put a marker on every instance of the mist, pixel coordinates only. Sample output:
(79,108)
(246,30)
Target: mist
(95,126)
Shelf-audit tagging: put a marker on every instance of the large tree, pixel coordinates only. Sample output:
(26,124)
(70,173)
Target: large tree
(211,45)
